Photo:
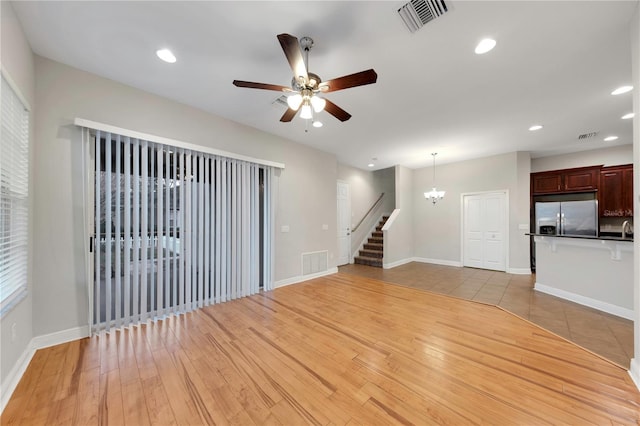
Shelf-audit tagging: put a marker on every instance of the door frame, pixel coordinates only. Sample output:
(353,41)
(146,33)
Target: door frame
(349,257)
(506,225)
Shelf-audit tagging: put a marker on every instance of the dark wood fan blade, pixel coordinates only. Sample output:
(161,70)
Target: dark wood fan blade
(288,115)
(352,80)
(336,111)
(291,48)
(264,86)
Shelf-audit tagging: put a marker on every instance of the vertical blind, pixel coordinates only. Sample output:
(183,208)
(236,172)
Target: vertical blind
(175,230)
(14,198)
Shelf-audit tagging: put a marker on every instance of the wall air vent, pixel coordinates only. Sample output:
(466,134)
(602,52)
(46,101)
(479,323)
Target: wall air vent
(587,135)
(417,13)
(315,262)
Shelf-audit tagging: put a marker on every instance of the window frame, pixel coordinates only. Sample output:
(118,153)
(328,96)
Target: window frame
(11,295)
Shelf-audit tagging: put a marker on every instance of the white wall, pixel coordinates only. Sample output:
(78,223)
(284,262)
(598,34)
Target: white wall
(17,61)
(306,188)
(437,228)
(614,156)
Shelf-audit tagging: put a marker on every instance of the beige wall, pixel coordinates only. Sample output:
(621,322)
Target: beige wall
(365,188)
(305,189)
(437,228)
(17,62)
(622,154)
(398,243)
(635,60)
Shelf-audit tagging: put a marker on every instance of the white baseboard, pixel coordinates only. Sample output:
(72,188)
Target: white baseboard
(586,301)
(519,271)
(39,342)
(634,371)
(422,260)
(13,378)
(437,261)
(397,263)
(64,336)
(301,278)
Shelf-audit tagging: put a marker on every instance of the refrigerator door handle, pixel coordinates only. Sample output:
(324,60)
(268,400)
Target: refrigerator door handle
(558,224)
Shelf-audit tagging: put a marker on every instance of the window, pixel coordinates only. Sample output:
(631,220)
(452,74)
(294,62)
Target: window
(14,197)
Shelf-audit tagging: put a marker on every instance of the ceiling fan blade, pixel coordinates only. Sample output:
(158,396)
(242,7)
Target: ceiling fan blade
(336,111)
(288,115)
(352,80)
(291,48)
(264,86)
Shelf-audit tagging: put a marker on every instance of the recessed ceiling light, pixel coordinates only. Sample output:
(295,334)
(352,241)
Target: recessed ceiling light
(485,45)
(628,116)
(317,123)
(166,55)
(610,138)
(622,89)
(535,127)
(370,165)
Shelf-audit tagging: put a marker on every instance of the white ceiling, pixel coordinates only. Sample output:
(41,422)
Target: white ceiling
(555,63)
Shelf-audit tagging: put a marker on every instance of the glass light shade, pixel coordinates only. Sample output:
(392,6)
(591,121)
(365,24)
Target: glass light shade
(294,101)
(434,195)
(305,112)
(318,103)
(317,124)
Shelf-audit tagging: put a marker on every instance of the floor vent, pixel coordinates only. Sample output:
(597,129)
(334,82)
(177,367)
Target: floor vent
(417,13)
(315,262)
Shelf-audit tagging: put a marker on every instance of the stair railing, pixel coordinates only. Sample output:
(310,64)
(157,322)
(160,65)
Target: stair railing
(375,204)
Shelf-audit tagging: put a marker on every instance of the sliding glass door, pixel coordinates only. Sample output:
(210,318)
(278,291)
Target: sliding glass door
(175,230)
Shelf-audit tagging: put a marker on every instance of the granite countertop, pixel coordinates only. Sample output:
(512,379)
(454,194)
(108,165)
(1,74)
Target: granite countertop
(603,236)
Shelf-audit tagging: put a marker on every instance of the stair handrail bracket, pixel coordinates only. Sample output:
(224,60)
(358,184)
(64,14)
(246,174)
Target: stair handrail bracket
(373,206)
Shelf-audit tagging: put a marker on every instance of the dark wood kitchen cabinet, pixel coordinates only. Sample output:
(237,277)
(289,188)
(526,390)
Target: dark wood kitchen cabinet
(616,191)
(566,180)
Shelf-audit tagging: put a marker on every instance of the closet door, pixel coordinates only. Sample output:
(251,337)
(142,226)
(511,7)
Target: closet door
(484,234)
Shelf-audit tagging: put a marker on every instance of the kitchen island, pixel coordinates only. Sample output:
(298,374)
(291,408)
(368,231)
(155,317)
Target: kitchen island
(592,271)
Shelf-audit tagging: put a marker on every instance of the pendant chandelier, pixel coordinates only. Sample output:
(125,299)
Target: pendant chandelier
(434,195)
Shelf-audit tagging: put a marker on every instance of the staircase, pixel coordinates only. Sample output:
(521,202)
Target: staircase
(371,254)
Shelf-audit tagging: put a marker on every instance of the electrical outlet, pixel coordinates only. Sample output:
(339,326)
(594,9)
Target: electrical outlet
(14,332)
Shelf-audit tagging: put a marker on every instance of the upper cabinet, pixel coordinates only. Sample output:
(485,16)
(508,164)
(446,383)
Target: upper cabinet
(616,191)
(567,180)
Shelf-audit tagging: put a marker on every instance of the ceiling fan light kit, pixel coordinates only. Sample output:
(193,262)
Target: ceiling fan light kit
(305,85)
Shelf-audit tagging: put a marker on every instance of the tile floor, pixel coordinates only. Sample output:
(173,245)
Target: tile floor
(606,335)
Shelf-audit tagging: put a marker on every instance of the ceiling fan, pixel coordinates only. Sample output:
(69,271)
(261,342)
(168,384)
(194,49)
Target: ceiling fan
(305,86)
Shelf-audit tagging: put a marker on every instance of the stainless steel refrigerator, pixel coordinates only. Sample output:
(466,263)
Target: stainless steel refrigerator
(579,218)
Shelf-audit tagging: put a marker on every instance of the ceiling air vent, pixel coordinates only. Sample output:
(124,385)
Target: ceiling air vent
(587,135)
(416,13)
(280,101)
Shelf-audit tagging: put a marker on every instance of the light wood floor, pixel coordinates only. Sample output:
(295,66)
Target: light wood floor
(607,335)
(337,350)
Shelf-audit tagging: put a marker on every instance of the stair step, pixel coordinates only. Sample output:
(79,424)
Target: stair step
(375,240)
(376,234)
(369,261)
(371,253)
(373,246)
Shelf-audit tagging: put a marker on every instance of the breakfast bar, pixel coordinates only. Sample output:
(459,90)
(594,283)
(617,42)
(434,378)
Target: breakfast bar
(592,271)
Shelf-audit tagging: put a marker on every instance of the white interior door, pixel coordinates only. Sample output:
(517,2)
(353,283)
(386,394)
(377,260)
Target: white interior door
(344,223)
(484,231)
